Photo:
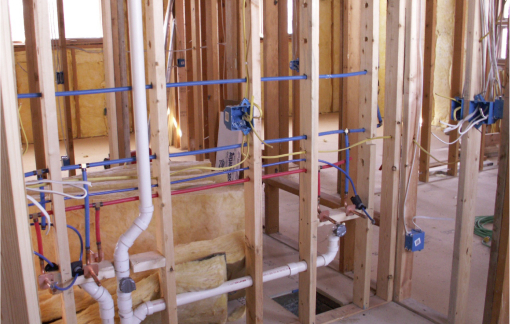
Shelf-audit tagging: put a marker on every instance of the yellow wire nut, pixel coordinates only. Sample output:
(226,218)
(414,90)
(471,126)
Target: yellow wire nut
(356,144)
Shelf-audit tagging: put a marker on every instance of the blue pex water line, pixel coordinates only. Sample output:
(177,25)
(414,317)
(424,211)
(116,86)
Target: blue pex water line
(282,140)
(87,210)
(188,84)
(284,78)
(43,202)
(345,173)
(203,83)
(44,258)
(342,131)
(283,162)
(342,75)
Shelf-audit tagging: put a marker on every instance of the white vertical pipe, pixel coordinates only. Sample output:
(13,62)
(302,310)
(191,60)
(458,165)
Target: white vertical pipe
(126,240)
(105,300)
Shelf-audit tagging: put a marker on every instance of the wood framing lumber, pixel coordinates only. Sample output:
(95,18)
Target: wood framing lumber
(52,151)
(109,74)
(213,73)
(18,281)
(283,87)
(369,61)
(429,63)
(296,43)
(424,311)
(189,74)
(253,188)
(408,161)
(395,34)
(159,144)
(327,200)
(466,196)
(496,303)
(271,111)
(182,76)
(344,312)
(233,59)
(120,68)
(33,83)
(308,18)
(198,111)
(349,115)
(457,79)
(67,100)
(77,98)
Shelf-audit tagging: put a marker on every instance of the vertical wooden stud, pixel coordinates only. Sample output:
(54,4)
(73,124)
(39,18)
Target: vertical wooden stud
(468,177)
(18,281)
(253,188)
(271,111)
(182,94)
(395,33)
(67,99)
(457,79)
(198,111)
(109,74)
(309,125)
(283,87)
(408,161)
(33,83)
(213,73)
(159,144)
(51,145)
(428,85)
(369,61)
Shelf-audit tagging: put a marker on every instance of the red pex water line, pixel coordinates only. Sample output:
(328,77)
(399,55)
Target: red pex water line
(39,237)
(336,163)
(98,227)
(188,190)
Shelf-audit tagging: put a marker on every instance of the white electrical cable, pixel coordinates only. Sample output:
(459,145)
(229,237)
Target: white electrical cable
(74,184)
(45,213)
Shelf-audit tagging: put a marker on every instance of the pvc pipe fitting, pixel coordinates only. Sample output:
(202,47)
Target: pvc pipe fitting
(105,300)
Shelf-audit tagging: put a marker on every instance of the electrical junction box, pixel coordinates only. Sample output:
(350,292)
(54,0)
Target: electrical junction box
(415,240)
(493,110)
(457,109)
(66,161)
(294,65)
(233,117)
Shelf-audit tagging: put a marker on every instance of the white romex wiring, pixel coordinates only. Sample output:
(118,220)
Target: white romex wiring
(75,184)
(45,213)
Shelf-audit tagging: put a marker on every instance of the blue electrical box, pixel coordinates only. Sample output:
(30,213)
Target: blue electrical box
(66,161)
(233,117)
(294,65)
(456,113)
(415,240)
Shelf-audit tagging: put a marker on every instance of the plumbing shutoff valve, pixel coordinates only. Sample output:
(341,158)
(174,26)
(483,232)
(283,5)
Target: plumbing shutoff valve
(234,120)
(356,200)
(415,240)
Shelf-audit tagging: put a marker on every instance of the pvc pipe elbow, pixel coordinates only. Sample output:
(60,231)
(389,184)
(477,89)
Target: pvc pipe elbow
(105,300)
(148,308)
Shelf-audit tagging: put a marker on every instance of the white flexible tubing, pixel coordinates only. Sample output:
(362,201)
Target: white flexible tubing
(126,240)
(104,299)
(151,307)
